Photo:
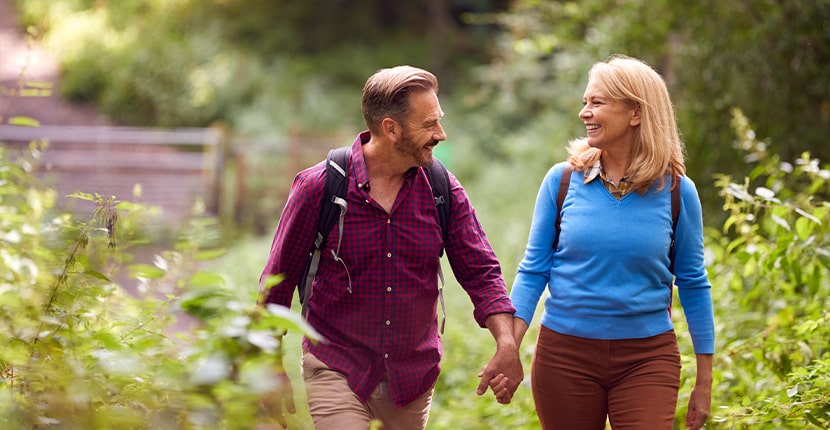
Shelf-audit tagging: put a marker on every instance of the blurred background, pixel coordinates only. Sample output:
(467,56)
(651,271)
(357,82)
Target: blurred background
(208,108)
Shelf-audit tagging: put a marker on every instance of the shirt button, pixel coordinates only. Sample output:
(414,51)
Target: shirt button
(388,288)
(389,254)
(385,355)
(389,221)
(388,322)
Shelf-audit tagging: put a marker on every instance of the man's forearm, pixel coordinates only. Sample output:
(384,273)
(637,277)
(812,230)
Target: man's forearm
(501,327)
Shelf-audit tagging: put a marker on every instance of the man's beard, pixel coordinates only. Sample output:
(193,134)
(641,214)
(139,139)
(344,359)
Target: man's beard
(407,146)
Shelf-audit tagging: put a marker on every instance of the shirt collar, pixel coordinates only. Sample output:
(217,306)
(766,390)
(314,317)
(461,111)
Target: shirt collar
(361,175)
(360,172)
(593,172)
(596,171)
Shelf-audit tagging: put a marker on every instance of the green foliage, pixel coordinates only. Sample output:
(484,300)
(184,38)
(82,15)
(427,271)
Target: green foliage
(770,272)
(263,66)
(79,351)
(767,58)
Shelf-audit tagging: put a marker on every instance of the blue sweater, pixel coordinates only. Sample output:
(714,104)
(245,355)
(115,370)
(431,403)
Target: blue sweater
(610,277)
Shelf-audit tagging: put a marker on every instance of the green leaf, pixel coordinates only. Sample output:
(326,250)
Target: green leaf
(804,228)
(781,221)
(206,279)
(145,271)
(809,216)
(96,274)
(210,254)
(272,280)
(293,321)
(82,196)
(24,121)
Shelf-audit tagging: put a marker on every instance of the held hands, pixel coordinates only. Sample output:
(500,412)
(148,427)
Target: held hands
(276,403)
(503,374)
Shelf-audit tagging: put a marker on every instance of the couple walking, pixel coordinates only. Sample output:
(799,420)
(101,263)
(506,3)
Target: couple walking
(608,251)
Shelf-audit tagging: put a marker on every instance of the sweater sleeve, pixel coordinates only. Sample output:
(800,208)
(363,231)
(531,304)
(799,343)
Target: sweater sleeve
(692,281)
(533,272)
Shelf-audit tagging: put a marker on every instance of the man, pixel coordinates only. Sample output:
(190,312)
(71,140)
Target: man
(375,302)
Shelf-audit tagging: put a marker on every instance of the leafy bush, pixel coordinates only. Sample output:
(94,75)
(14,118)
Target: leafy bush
(80,352)
(769,268)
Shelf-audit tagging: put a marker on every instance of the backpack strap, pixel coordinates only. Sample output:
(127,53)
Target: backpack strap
(564,183)
(675,213)
(333,209)
(439,180)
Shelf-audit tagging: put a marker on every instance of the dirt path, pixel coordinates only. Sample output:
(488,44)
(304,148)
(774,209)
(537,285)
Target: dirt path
(22,60)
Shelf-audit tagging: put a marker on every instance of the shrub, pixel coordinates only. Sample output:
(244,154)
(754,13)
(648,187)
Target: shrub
(770,276)
(79,351)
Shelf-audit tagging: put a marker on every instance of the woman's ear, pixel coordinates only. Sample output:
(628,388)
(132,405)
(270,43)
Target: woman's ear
(635,117)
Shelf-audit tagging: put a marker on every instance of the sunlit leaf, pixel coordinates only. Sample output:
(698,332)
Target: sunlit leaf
(206,279)
(809,215)
(96,274)
(272,280)
(24,121)
(145,271)
(293,321)
(765,193)
(211,370)
(263,340)
(210,254)
(781,221)
(792,391)
(804,228)
(82,196)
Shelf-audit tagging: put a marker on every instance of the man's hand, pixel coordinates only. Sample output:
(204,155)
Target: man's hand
(504,371)
(276,403)
(502,374)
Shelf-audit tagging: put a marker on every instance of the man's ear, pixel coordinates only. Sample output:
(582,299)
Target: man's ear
(390,129)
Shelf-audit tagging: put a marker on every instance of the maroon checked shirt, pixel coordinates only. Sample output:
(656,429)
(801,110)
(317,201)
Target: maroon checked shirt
(387,326)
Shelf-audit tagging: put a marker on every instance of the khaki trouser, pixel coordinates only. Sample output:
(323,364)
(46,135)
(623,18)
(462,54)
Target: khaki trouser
(334,406)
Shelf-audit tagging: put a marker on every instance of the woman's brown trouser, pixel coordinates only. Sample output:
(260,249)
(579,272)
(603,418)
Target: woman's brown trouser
(578,382)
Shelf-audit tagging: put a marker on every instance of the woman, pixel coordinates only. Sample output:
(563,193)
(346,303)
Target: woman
(606,348)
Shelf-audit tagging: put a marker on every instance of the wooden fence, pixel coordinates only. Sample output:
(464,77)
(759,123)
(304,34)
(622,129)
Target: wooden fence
(240,178)
(172,168)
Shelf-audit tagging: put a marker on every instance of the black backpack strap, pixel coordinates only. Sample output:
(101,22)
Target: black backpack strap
(564,183)
(332,209)
(675,213)
(439,180)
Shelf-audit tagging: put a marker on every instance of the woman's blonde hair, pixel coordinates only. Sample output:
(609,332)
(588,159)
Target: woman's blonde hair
(657,149)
